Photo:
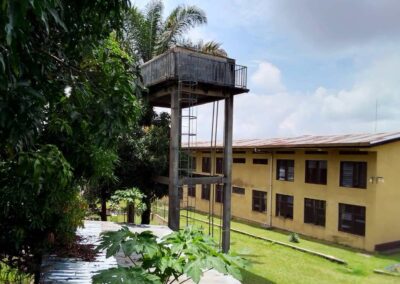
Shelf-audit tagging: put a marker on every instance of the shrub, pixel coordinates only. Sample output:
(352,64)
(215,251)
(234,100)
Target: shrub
(187,252)
(294,238)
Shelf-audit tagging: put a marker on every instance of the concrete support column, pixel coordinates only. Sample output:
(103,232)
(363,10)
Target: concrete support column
(173,195)
(226,217)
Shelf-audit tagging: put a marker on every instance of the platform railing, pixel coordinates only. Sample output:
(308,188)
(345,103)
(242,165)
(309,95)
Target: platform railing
(176,65)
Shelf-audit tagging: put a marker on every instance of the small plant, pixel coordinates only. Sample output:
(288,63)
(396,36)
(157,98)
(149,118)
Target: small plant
(133,198)
(188,252)
(294,238)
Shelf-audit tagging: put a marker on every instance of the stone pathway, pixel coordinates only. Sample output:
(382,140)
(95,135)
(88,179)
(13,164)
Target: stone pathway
(69,270)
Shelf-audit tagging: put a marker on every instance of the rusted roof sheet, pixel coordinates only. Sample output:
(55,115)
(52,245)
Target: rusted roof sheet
(312,141)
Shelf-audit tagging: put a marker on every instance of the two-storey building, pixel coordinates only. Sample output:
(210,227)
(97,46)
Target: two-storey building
(340,188)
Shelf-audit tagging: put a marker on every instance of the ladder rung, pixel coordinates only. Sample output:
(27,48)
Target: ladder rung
(189,116)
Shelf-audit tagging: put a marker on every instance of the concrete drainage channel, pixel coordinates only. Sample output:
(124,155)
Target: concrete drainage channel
(325,256)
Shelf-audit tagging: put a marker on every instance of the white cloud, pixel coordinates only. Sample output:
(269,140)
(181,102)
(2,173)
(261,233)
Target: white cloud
(325,111)
(340,23)
(267,77)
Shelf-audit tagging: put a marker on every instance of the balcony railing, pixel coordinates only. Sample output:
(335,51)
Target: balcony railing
(181,64)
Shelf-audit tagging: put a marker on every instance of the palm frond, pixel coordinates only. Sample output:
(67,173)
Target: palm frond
(153,14)
(210,47)
(181,19)
(134,33)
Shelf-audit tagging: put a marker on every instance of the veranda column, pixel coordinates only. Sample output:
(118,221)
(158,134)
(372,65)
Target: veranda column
(226,217)
(173,189)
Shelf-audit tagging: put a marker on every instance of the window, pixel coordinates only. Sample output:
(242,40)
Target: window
(316,171)
(260,161)
(192,190)
(284,206)
(205,191)
(219,193)
(353,174)
(314,211)
(238,190)
(259,200)
(352,219)
(285,170)
(239,160)
(219,164)
(206,165)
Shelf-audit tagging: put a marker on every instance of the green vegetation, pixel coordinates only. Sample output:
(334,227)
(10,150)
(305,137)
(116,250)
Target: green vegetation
(67,94)
(132,198)
(149,35)
(273,263)
(188,252)
(294,238)
(12,275)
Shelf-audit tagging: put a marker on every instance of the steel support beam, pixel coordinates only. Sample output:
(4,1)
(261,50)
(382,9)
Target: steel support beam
(173,196)
(202,180)
(226,215)
(192,180)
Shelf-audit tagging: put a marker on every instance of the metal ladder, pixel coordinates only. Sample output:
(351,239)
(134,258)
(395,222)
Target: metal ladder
(188,137)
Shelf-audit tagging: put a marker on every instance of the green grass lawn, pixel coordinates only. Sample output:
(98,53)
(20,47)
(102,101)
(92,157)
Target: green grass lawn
(273,263)
(120,218)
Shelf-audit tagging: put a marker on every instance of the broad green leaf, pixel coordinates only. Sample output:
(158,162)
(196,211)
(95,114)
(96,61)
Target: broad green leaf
(193,270)
(128,247)
(235,272)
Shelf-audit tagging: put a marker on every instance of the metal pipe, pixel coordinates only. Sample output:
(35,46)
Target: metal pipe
(270,188)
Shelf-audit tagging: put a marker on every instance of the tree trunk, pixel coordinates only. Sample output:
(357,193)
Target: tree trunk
(103,205)
(146,213)
(131,213)
(37,265)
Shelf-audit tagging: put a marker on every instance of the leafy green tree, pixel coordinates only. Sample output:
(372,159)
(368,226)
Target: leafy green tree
(132,197)
(188,252)
(143,155)
(67,95)
(149,35)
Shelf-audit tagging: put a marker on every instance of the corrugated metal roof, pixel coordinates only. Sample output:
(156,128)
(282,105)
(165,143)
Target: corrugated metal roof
(311,141)
(71,270)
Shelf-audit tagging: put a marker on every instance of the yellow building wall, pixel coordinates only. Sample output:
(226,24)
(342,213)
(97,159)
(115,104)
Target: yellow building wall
(387,204)
(332,193)
(257,177)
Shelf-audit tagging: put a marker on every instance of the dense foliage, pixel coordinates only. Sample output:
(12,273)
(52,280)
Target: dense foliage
(148,34)
(143,156)
(67,95)
(177,257)
(132,198)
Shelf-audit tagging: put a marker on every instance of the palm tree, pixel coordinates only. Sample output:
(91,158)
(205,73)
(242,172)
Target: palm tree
(148,35)
(210,47)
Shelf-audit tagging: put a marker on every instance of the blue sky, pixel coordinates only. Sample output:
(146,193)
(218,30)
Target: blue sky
(315,67)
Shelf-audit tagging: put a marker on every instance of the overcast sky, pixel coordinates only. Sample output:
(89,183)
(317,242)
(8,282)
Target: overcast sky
(315,67)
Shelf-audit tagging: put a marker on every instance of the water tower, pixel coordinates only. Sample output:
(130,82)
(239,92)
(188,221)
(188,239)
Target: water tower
(180,79)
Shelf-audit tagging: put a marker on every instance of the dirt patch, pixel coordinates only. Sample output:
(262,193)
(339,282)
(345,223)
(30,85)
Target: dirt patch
(78,249)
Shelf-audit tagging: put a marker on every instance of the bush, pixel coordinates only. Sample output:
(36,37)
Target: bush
(187,252)
(294,238)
